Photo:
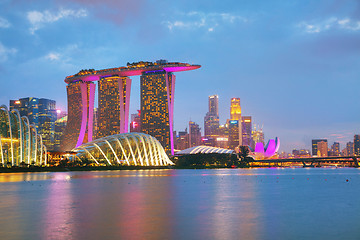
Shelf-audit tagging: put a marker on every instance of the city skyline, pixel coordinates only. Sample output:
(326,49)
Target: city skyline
(293,65)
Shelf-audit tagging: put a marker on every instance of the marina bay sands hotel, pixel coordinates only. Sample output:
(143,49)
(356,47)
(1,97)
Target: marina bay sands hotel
(157,81)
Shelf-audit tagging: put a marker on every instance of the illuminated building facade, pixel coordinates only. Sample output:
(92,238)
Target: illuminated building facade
(233,134)
(81,91)
(357,145)
(182,140)
(235,114)
(194,134)
(349,150)
(60,125)
(113,105)
(246,131)
(258,135)
(20,145)
(135,124)
(214,105)
(322,149)
(132,149)
(41,113)
(79,127)
(157,105)
(314,146)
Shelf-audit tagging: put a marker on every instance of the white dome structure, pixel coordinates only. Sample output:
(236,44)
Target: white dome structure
(137,149)
(204,149)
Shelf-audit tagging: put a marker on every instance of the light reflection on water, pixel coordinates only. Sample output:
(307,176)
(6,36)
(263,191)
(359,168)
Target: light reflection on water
(276,203)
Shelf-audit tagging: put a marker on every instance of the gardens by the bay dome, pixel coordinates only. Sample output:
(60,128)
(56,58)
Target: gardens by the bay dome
(136,149)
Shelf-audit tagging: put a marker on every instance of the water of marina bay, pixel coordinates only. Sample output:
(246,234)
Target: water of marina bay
(272,203)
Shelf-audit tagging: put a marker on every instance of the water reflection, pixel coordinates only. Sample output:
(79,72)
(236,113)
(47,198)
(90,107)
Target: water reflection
(181,204)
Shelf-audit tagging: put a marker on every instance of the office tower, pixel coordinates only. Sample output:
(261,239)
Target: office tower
(194,134)
(79,127)
(246,131)
(233,134)
(356,145)
(182,140)
(214,105)
(41,113)
(60,125)
(349,149)
(47,117)
(335,149)
(28,107)
(211,125)
(95,122)
(322,149)
(235,114)
(135,124)
(235,109)
(258,135)
(157,104)
(314,146)
(113,94)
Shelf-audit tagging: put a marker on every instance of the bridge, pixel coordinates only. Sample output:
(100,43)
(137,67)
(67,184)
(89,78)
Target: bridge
(315,161)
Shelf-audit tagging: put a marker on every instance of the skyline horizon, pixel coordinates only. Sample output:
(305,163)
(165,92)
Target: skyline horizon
(293,64)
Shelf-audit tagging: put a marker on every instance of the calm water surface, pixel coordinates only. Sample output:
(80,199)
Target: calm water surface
(275,203)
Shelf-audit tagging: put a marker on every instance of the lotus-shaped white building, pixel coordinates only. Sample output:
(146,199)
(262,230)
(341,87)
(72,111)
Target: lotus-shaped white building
(268,151)
(19,141)
(138,149)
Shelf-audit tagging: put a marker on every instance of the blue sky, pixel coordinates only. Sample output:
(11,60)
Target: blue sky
(294,64)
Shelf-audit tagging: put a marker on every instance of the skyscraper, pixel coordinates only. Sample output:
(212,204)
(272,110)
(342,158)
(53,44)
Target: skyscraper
(235,114)
(246,131)
(335,149)
(214,105)
(79,127)
(356,144)
(233,139)
(349,149)
(113,93)
(60,125)
(157,104)
(314,146)
(194,134)
(41,113)
(135,124)
(235,109)
(257,135)
(322,149)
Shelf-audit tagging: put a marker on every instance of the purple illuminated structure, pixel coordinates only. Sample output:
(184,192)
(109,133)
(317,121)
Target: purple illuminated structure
(269,150)
(81,96)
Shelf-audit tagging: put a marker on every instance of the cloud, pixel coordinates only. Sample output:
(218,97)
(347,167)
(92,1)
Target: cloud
(39,19)
(53,56)
(209,21)
(5,52)
(4,23)
(330,23)
(115,11)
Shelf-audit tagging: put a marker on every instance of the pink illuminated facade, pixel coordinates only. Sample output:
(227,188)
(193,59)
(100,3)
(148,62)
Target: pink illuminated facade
(114,100)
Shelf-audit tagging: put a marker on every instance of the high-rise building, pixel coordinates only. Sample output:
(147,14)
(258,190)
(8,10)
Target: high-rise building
(112,96)
(211,125)
(246,131)
(235,114)
(182,140)
(314,146)
(357,145)
(322,149)
(47,118)
(135,124)
(60,125)
(235,109)
(214,105)
(349,149)
(194,134)
(233,139)
(41,113)
(79,127)
(157,104)
(335,149)
(257,136)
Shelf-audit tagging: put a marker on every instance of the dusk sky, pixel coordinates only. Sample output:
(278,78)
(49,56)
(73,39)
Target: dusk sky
(294,64)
